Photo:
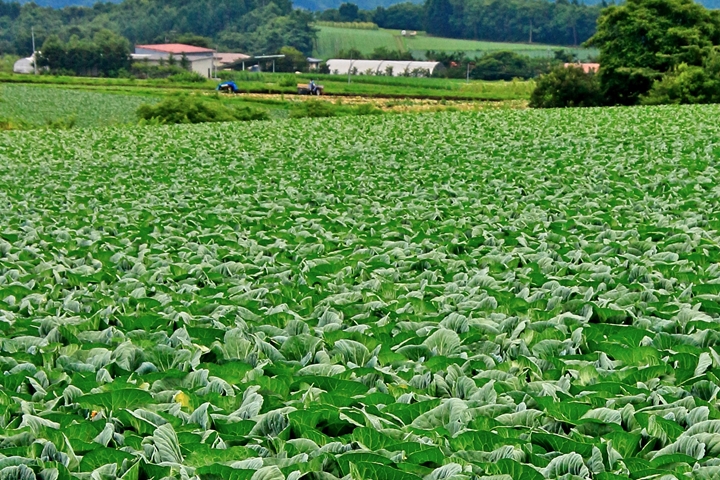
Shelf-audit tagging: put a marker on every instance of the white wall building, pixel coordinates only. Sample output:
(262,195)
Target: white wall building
(201,59)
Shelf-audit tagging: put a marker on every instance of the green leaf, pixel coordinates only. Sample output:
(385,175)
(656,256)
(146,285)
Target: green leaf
(378,471)
(506,466)
(102,456)
(217,471)
(331,384)
(558,443)
(116,400)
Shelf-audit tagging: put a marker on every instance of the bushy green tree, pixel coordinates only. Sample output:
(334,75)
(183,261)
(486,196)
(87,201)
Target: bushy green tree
(642,39)
(294,60)
(106,53)
(688,84)
(401,16)
(438,18)
(382,53)
(114,52)
(353,53)
(502,66)
(566,87)
(349,12)
(196,40)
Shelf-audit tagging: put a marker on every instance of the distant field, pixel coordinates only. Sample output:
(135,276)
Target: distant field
(38,106)
(331,40)
(105,109)
(102,104)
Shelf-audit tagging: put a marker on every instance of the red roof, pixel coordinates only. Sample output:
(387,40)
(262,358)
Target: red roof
(175,48)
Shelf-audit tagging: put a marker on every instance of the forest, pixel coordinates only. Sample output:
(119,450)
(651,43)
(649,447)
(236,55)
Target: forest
(237,25)
(259,27)
(529,21)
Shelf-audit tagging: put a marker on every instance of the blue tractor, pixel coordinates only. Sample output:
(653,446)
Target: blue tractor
(228,87)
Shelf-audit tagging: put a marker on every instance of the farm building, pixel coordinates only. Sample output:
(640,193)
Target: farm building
(394,68)
(227,60)
(24,65)
(201,59)
(587,67)
(314,63)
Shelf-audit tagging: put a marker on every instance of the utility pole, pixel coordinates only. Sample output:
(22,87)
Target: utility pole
(350,67)
(32,31)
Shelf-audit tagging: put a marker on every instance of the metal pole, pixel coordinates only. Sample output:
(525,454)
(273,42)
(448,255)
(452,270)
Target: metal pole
(350,68)
(273,65)
(467,79)
(32,30)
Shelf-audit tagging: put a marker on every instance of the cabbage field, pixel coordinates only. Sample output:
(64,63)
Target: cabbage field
(501,295)
(38,105)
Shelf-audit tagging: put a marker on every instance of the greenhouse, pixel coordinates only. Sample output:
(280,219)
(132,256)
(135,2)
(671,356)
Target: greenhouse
(24,65)
(393,68)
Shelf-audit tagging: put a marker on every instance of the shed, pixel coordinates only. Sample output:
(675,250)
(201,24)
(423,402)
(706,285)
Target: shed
(201,59)
(225,60)
(24,65)
(395,68)
(314,63)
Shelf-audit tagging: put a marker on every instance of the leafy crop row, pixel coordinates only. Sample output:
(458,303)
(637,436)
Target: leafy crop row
(40,106)
(505,295)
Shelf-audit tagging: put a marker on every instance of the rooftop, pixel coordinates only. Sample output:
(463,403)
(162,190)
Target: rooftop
(178,48)
(230,57)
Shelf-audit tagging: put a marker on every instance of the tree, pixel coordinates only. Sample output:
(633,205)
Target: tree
(349,12)
(566,87)
(185,62)
(195,40)
(502,66)
(401,16)
(643,39)
(382,53)
(438,14)
(106,53)
(351,53)
(52,53)
(688,84)
(114,52)
(294,60)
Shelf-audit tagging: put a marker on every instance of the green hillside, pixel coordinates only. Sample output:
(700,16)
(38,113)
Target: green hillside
(331,40)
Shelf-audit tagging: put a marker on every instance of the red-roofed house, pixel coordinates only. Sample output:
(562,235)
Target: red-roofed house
(201,59)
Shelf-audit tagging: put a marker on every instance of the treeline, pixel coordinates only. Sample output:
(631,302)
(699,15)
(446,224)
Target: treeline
(255,26)
(106,54)
(533,21)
